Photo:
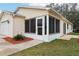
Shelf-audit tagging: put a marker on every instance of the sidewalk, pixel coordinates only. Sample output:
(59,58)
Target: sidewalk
(68,37)
(8,49)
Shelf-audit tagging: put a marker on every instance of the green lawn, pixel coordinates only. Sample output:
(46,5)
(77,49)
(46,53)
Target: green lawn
(54,48)
(73,33)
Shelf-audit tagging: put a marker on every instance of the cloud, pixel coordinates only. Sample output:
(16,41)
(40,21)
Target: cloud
(0,11)
(38,4)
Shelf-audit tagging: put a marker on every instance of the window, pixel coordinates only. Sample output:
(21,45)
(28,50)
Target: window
(51,25)
(30,25)
(57,26)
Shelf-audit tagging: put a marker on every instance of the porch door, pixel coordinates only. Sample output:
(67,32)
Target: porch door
(39,25)
(64,28)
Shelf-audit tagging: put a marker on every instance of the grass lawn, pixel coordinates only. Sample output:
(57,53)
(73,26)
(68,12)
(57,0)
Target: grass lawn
(54,48)
(73,33)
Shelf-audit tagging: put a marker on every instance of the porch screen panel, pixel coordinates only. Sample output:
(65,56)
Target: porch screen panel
(51,25)
(26,25)
(57,26)
(67,26)
(33,25)
(39,24)
(30,25)
(45,25)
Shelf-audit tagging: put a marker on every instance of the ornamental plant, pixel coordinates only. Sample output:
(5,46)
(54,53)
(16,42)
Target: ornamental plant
(19,37)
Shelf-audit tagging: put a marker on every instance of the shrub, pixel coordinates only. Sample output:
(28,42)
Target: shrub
(19,37)
(76,30)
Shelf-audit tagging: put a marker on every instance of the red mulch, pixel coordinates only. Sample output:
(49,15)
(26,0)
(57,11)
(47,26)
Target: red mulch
(9,39)
(78,40)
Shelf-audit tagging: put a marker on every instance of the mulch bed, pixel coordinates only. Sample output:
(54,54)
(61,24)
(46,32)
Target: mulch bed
(77,40)
(11,40)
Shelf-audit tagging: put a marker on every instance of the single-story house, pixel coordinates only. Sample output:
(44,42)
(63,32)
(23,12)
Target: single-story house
(41,23)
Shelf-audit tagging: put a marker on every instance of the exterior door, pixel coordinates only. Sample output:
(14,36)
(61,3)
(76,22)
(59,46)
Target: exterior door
(64,28)
(39,25)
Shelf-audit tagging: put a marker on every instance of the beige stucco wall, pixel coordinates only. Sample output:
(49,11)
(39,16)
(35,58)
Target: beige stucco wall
(18,25)
(30,13)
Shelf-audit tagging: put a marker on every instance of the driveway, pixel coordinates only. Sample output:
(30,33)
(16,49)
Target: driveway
(7,48)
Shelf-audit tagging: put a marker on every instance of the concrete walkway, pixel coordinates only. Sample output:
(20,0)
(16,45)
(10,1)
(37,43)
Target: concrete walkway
(8,48)
(68,37)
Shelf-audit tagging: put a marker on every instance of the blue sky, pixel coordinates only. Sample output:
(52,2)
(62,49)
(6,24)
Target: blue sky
(11,6)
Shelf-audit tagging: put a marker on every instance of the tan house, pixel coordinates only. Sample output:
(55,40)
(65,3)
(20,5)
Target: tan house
(39,23)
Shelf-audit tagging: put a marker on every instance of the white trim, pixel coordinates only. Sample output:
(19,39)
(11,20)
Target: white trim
(43,26)
(36,27)
(47,24)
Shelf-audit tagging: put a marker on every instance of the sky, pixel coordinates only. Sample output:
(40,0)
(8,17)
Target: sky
(13,6)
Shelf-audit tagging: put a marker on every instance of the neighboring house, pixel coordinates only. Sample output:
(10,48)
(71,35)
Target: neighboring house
(40,23)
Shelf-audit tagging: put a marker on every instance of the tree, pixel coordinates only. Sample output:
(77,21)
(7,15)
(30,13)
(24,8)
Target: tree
(69,11)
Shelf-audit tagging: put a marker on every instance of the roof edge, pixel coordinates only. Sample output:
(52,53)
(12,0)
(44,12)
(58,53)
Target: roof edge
(32,7)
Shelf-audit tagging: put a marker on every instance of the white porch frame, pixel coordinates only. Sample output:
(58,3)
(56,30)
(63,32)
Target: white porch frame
(43,24)
(47,16)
